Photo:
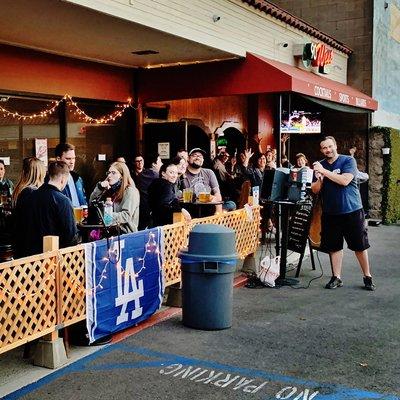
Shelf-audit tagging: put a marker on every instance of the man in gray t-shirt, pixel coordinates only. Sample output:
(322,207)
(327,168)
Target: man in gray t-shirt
(201,179)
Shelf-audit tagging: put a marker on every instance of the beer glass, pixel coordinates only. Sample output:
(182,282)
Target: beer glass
(187,195)
(204,197)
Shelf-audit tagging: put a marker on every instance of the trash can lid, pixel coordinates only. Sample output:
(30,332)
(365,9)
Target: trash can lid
(210,242)
(188,258)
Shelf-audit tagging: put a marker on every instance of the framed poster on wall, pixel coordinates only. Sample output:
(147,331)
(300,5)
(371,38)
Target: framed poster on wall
(41,150)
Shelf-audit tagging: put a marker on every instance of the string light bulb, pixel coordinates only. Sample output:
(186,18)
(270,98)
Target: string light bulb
(117,113)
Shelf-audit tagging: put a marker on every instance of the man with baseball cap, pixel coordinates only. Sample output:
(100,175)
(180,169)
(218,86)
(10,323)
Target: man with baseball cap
(202,179)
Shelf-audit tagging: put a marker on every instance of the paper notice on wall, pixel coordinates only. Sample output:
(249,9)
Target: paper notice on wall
(41,150)
(164,150)
(6,160)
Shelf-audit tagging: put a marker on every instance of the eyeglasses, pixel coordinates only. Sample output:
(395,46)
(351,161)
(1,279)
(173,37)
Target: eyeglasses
(112,172)
(139,160)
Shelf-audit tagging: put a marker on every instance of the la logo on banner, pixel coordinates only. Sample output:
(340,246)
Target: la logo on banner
(128,287)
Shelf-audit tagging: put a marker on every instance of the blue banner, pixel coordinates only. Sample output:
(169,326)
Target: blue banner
(124,281)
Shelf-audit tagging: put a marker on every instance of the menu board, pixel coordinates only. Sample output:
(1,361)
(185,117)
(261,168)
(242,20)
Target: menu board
(299,226)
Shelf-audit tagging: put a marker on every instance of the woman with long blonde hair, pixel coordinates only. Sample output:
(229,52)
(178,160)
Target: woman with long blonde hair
(119,186)
(32,177)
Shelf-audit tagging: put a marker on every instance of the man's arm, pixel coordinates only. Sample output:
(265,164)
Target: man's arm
(316,186)
(341,179)
(68,230)
(216,193)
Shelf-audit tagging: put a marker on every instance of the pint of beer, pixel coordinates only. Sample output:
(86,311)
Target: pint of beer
(204,197)
(187,195)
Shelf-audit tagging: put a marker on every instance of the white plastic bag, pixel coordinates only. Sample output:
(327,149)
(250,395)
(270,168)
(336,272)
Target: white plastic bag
(269,270)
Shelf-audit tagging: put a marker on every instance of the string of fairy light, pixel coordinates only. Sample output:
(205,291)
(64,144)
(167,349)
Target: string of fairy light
(111,258)
(112,116)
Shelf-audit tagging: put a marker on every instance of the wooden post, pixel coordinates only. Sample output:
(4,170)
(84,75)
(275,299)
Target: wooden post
(50,243)
(50,351)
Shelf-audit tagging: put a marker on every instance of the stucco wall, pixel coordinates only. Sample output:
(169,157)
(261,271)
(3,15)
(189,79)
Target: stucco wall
(240,29)
(386,64)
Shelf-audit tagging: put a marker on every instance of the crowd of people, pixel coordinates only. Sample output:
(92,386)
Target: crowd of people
(43,202)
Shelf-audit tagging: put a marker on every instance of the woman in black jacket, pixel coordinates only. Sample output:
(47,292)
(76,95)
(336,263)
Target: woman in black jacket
(162,196)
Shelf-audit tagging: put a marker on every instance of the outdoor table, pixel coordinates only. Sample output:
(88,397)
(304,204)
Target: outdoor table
(199,209)
(86,229)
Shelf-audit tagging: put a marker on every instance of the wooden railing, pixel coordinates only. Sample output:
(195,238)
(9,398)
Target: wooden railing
(43,293)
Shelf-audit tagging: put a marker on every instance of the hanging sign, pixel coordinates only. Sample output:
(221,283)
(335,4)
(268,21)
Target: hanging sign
(317,55)
(222,142)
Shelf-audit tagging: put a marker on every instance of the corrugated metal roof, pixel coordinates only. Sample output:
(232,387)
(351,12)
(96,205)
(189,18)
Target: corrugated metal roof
(279,13)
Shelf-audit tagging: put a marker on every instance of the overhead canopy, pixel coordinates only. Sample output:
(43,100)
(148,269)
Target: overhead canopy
(255,74)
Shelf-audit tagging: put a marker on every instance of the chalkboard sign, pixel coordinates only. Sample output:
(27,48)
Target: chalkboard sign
(299,226)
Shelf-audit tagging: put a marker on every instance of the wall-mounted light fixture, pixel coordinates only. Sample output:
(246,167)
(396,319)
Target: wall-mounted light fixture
(337,67)
(385,151)
(216,18)
(283,44)
(386,5)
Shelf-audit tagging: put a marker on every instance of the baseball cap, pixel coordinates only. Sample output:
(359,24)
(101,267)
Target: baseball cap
(197,150)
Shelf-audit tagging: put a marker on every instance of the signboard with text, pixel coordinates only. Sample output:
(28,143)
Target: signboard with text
(317,55)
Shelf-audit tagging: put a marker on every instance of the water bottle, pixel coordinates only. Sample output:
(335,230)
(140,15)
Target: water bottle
(108,210)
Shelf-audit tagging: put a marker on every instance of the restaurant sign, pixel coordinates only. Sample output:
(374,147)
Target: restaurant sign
(336,95)
(317,55)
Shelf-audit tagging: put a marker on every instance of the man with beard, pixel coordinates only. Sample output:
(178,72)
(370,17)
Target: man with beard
(202,179)
(342,211)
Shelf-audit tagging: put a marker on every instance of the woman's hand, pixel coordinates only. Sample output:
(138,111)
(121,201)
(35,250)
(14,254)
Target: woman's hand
(105,184)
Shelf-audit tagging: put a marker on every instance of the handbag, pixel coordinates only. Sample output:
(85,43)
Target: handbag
(269,270)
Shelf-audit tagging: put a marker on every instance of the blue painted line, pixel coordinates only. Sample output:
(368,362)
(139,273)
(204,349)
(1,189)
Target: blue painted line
(336,392)
(77,366)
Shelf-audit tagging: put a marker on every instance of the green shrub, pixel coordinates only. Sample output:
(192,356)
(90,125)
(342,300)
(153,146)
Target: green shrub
(391,175)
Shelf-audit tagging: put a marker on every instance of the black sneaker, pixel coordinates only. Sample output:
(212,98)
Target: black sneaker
(334,283)
(368,284)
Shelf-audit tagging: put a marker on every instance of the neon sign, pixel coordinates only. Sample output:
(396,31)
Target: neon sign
(317,55)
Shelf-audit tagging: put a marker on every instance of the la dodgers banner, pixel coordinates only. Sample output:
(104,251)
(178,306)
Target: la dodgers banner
(124,281)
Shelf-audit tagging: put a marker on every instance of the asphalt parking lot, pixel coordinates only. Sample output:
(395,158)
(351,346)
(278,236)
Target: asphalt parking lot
(284,343)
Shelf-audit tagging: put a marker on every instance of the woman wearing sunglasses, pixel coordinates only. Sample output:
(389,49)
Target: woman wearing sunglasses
(119,186)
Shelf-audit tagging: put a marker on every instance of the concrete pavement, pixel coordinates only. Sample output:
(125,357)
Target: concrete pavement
(284,343)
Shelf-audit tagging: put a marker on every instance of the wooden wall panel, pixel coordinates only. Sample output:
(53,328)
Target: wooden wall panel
(213,111)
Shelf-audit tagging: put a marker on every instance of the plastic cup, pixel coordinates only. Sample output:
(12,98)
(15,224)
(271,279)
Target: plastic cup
(78,214)
(187,195)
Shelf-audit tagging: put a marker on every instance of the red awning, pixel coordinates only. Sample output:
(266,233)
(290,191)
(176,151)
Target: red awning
(254,74)
(299,81)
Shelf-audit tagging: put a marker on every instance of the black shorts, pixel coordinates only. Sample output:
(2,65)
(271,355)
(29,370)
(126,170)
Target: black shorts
(351,227)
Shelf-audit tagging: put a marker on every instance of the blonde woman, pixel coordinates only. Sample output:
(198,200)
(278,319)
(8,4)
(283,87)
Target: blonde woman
(32,177)
(119,186)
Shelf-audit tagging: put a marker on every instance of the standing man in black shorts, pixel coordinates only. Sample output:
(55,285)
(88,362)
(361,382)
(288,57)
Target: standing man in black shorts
(342,211)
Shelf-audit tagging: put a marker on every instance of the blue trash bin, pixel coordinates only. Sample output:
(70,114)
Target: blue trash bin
(208,266)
